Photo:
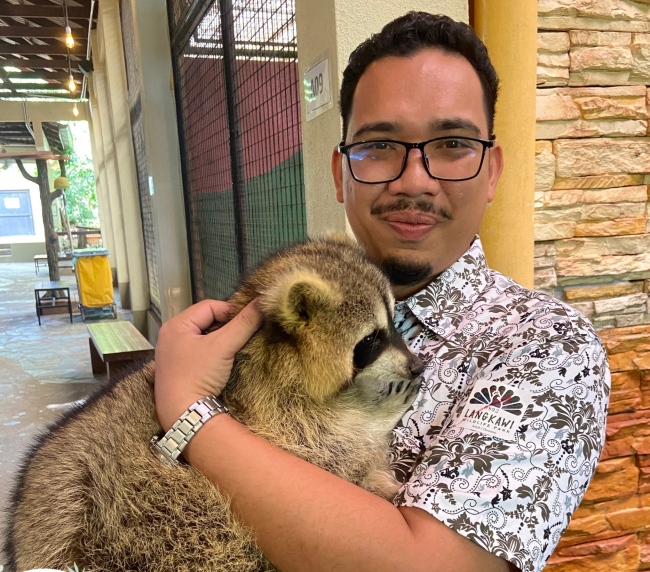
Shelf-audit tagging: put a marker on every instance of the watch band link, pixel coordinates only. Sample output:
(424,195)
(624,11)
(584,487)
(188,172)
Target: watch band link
(169,447)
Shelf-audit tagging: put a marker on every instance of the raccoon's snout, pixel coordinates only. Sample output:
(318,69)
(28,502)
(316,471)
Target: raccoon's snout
(416,366)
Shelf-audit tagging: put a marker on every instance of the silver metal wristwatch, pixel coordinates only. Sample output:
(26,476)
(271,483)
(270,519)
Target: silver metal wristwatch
(168,447)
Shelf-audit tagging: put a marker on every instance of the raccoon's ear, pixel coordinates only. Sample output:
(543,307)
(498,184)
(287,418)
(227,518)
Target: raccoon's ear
(298,297)
(337,236)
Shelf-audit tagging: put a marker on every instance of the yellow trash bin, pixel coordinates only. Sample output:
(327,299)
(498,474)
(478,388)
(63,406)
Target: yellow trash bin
(94,279)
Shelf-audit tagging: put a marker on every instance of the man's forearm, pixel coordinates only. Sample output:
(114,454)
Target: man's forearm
(306,519)
(298,511)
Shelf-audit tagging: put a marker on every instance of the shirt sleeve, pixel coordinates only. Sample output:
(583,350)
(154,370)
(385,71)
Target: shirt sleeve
(515,496)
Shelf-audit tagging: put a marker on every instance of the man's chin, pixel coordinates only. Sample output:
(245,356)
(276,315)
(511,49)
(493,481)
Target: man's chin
(405,271)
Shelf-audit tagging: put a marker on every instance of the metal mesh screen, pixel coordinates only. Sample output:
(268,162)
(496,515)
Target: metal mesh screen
(137,132)
(238,98)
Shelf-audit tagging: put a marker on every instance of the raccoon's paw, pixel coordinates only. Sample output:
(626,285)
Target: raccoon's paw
(382,483)
(403,390)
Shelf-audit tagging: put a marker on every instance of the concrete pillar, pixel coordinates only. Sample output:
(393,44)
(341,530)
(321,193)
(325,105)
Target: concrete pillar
(509,30)
(332,29)
(113,182)
(163,155)
(104,188)
(109,21)
(103,204)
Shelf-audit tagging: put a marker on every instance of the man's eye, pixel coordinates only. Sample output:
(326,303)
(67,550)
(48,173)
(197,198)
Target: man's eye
(454,144)
(377,146)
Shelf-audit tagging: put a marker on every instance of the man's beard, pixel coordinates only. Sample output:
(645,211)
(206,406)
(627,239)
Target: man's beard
(403,272)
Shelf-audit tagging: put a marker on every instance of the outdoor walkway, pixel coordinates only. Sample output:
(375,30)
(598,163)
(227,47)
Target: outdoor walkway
(41,368)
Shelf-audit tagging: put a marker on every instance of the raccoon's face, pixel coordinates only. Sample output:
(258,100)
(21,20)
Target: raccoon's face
(344,334)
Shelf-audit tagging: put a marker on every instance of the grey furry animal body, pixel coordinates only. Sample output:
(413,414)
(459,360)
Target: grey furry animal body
(326,378)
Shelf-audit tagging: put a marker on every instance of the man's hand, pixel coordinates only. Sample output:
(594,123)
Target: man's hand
(190,364)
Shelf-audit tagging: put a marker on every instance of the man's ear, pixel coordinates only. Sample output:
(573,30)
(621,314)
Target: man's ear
(495,163)
(337,173)
(298,298)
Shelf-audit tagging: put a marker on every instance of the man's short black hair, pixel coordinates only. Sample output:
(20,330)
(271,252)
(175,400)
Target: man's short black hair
(409,34)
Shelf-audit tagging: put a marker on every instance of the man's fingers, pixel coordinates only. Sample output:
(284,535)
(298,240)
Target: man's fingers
(234,335)
(201,316)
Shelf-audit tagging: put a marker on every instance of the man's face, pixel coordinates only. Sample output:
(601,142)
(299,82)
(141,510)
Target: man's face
(417,223)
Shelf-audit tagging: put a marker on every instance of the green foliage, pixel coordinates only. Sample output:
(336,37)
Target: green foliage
(80,195)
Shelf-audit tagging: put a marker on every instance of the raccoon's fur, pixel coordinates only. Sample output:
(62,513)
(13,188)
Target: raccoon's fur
(326,378)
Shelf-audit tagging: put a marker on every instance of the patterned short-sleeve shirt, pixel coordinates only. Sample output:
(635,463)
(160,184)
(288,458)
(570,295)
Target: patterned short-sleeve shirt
(509,425)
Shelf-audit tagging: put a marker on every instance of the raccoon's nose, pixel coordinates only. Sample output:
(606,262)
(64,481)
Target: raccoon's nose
(416,366)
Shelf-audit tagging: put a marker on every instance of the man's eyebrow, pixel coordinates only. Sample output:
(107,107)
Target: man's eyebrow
(453,123)
(375,127)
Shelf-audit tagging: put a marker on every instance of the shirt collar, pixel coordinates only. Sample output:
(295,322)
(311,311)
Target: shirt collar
(442,305)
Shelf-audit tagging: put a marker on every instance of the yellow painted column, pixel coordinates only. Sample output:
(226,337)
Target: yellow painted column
(509,30)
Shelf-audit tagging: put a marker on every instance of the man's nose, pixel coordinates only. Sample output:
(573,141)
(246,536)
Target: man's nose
(415,179)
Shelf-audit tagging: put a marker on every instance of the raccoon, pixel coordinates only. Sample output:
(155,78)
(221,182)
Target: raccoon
(326,378)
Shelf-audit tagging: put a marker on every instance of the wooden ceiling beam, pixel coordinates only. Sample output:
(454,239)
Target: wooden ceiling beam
(49,50)
(45,96)
(57,75)
(31,155)
(25,11)
(40,32)
(43,86)
(85,4)
(36,63)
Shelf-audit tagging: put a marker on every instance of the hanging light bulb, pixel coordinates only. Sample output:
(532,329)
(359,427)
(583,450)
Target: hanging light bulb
(69,40)
(72,86)
(75,110)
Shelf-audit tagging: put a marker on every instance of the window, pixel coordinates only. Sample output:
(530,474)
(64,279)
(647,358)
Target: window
(16,214)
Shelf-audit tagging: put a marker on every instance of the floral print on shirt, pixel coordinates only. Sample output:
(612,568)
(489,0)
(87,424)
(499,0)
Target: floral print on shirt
(514,497)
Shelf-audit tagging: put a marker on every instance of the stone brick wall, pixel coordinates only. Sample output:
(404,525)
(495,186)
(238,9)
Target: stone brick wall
(611,528)
(592,249)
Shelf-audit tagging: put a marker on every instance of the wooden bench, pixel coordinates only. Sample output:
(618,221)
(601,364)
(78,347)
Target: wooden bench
(52,298)
(38,259)
(41,260)
(115,345)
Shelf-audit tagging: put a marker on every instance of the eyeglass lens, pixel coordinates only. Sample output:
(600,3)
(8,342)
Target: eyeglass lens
(448,158)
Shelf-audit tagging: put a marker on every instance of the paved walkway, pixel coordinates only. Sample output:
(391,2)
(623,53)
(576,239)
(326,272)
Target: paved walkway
(42,368)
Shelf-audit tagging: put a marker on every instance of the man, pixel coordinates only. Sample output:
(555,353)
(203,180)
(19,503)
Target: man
(497,451)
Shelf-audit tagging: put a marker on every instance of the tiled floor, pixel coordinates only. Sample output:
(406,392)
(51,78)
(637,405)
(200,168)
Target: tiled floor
(42,368)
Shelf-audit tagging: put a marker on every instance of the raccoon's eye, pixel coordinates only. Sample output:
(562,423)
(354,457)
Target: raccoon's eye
(368,349)
(368,341)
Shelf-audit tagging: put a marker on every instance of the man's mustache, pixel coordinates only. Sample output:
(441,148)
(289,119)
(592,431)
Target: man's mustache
(403,204)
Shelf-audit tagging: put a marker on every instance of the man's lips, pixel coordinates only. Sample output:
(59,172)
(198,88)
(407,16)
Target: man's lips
(411,217)
(410,225)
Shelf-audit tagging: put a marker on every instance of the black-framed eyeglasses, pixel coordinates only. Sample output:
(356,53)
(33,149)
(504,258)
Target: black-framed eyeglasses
(445,158)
